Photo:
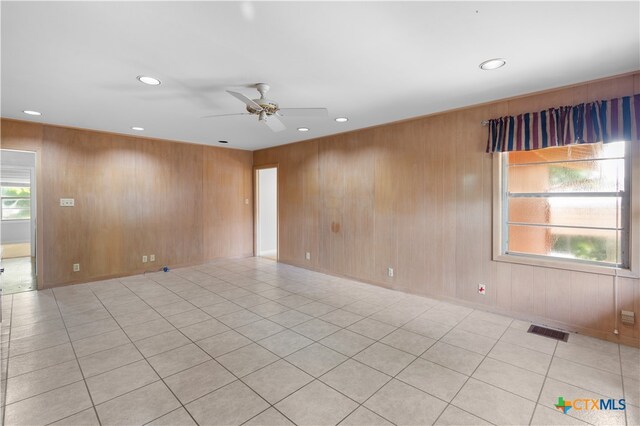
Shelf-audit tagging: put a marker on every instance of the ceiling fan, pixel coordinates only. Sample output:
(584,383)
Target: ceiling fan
(268,111)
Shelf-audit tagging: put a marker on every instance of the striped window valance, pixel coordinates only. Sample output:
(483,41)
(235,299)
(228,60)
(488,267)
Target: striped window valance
(612,120)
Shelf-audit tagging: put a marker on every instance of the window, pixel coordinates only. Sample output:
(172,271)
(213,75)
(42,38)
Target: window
(570,203)
(16,202)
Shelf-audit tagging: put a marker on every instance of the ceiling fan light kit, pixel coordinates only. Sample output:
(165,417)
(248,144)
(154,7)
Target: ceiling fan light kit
(268,111)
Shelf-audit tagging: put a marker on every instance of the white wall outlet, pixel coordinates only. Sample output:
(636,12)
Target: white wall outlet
(67,202)
(390,272)
(144,259)
(76,267)
(307,255)
(482,289)
(152,258)
(246,201)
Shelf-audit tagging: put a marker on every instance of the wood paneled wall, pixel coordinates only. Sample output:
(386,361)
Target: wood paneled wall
(417,196)
(184,203)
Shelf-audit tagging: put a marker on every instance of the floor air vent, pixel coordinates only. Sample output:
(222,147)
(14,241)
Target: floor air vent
(548,332)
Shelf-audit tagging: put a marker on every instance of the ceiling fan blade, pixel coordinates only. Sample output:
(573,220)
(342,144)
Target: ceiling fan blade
(303,112)
(224,115)
(245,100)
(274,123)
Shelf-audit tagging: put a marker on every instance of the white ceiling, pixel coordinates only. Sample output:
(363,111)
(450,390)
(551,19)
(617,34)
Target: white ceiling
(374,62)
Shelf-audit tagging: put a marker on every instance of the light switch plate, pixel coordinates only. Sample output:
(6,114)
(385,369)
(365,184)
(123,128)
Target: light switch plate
(76,267)
(152,258)
(67,202)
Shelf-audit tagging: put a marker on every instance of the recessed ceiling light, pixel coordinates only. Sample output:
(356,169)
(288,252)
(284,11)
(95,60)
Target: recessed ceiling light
(342,119)
(303,129)
(148,80)
(29,112)
(139,129)
(223,141)
(493,64)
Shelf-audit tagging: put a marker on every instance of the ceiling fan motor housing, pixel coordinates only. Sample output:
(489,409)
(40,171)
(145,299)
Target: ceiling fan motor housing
(270,107)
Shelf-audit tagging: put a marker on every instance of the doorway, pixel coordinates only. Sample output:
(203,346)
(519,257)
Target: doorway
(18,220)
(267,212)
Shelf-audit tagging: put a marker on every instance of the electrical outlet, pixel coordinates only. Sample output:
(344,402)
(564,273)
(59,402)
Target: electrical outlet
(152,258)
(67,202)
(144,259)
(76,267)
(390,272)
(307,255)
(482,289)
(246,201)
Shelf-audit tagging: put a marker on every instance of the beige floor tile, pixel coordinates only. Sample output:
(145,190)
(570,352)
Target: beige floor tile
(40,359)
(148,329)
(139,406)
(179,417)
(290,318)
(161,343)
(175,360)
(268,309)
(316,309)
(37,342)
(482,327)
(247,359)
(223,343)
(239,318)
(87,417)
(579,375)
(385,358)
(510,378)
(408,341)
(341,318)
(470,341)
(49,406)
(231,405)
(453,357)
(204,329)
(93,328)
(535,361)
(111,384)
(632,390)
(222,308)
(316,359)
(43,380)
(285,343)
(198,381)
(433,379)
(493,404)
(363,417)
(316,329)
(405,405)
(346,342)
(596,358)
(428,328)
(316,404)
(269,417)
(371,328)
(260,329)
(174,308)
(453,416)
(100,362)
(530,341)
(355,380)
(99,343)
(188,318)
(545,416)
(276,381)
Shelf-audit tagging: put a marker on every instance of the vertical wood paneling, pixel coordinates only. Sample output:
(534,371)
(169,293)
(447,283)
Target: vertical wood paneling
(431,188)
(133,197)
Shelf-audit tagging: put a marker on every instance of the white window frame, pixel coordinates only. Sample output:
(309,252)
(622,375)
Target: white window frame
(632,270)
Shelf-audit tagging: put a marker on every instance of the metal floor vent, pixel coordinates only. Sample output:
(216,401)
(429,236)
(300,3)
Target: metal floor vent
(548,332)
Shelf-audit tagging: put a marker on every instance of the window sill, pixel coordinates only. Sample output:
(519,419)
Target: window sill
(568,266)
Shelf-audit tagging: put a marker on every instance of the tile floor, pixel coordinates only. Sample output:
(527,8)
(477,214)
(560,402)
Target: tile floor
(254,342)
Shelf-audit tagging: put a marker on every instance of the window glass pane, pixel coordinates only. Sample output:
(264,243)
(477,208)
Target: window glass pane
(16,191)
(584,244)
(579,176)
(572,152)
(598,212)
(24,203)
(14,214)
